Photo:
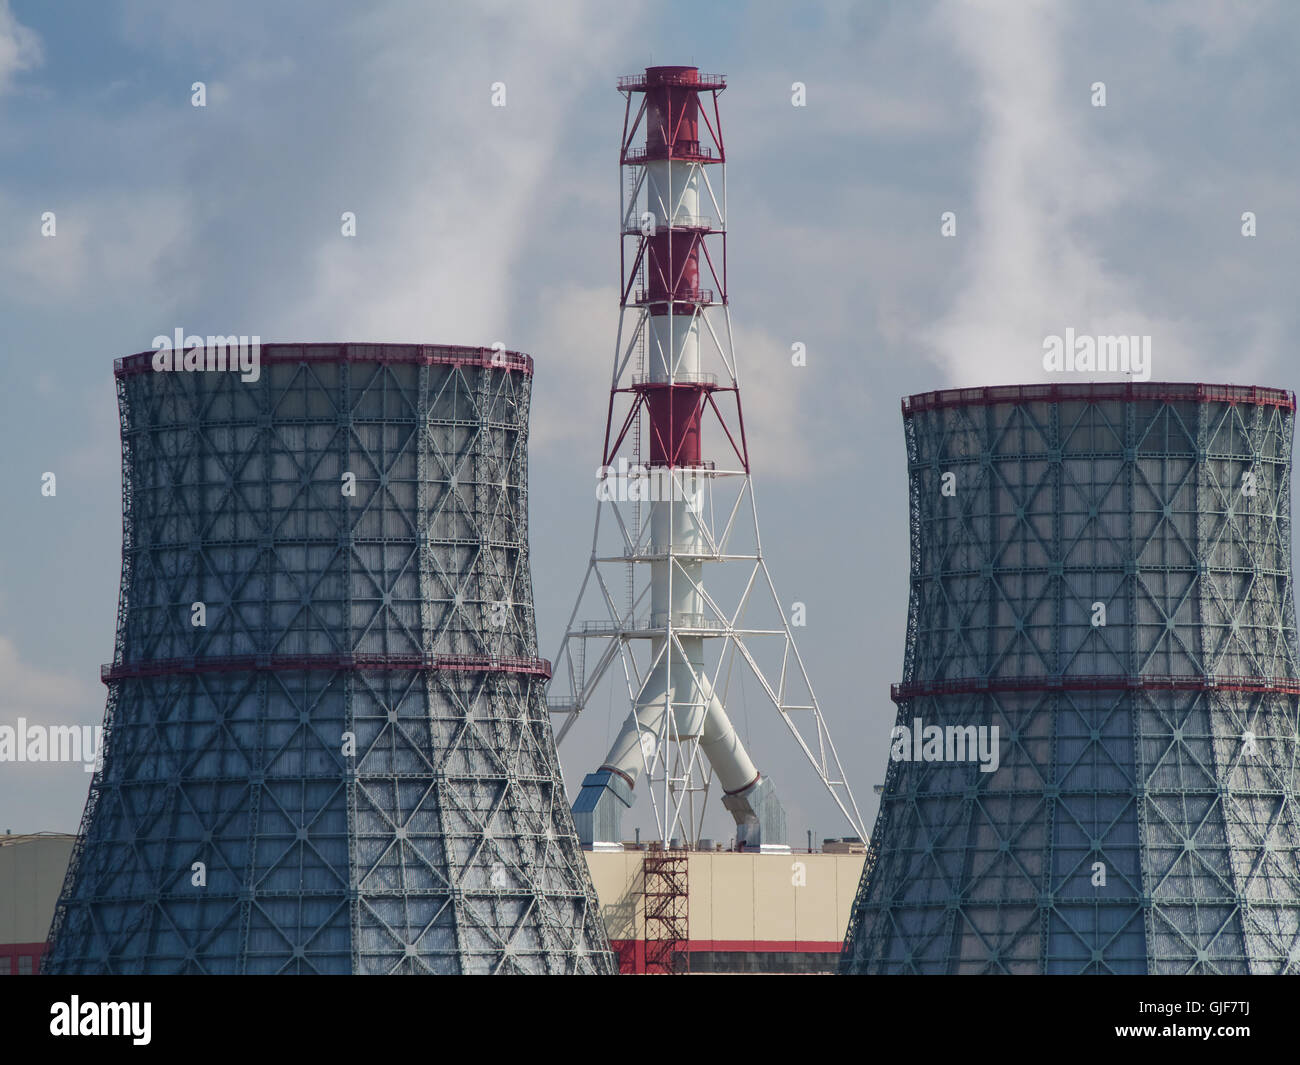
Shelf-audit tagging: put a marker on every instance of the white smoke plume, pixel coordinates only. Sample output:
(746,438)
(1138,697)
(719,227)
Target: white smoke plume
(1031,268)
(20,48)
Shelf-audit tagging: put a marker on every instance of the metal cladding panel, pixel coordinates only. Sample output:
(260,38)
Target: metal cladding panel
(354,744)
(1057,508)
(246,482)
(1142,817)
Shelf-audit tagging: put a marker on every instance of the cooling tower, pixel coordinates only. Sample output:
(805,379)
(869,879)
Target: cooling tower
(1093,768)
(326,746)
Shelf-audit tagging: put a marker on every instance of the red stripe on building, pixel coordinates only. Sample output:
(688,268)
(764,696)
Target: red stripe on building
(21,959)
(631,952)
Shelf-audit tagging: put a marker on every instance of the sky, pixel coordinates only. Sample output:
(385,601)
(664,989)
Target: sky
(478,224)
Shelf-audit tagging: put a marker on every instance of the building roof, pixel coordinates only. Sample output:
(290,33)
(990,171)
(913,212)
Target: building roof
(8,839)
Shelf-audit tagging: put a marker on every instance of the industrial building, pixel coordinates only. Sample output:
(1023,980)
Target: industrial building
(681,911)
(1100,585)
(326,747)
(328,743)
(726,911)
(31,874)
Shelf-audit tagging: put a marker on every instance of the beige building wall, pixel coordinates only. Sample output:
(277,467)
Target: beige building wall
(741,898)
(31,877)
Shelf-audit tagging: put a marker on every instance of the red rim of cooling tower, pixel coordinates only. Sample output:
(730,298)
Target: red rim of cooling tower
(411,354)
(1127,391)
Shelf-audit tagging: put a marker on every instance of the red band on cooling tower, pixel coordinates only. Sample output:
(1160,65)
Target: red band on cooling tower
(1002,685)
(386,354)
(159,667)
(1121,391)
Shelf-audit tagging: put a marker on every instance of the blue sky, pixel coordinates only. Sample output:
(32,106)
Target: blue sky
(478,224)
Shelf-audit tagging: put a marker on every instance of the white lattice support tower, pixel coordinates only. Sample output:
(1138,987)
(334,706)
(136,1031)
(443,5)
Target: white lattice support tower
(682,637)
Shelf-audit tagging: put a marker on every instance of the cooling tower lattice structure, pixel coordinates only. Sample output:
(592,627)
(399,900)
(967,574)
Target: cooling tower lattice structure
(326,747)
(1101,574)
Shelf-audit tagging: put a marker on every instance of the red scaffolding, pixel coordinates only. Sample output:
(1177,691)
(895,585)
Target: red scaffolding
(667,913)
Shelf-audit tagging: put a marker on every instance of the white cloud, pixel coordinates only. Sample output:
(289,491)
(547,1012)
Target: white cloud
(1041,182)
(1219,26)
(457,208)
(92,459)
(36,796)
(40,696)
(782,426)
(20,48)
(573,344)
(108,248)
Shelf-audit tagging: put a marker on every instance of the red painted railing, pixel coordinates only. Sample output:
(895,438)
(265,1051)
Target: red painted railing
(695,295)
(1097,683)
(690,151)
(387,354)
(1126,391)
(691,79)
(159,667)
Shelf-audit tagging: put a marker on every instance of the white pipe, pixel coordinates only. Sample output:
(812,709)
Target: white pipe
(678,679)
(673,192)
(674,348)
(698,713)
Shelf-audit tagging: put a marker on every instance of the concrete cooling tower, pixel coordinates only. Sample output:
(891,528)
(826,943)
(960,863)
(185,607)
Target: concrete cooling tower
(1093,768)
(327,748)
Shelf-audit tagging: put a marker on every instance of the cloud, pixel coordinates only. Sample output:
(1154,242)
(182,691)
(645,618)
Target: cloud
(782,424)
(39,696)
(20,48)
(109,247)
(446,217)
(92,460)
(573,344)
(43,795)
(1042,183)
(1217,26)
